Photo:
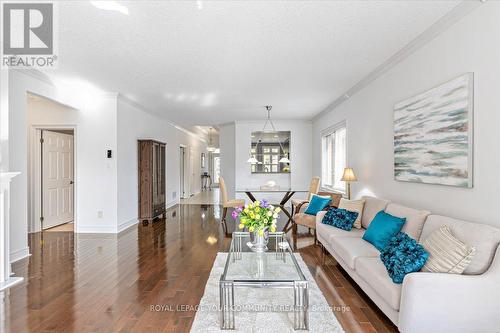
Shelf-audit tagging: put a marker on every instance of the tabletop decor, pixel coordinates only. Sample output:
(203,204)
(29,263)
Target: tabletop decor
(259,218)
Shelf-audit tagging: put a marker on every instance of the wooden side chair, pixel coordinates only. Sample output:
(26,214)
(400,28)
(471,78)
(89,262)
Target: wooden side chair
(313,189)
(309,221)
(227,203)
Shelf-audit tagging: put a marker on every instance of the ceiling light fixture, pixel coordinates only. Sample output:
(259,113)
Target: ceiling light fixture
(111,6)
(253,159)
(210,147)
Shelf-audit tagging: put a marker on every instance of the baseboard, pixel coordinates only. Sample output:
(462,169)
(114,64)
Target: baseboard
(95,229)
(19,254)
(172,203)
(127,224)
(13,280)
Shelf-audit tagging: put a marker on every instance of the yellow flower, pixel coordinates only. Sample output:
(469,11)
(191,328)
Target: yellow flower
(246,210)
(269,213)
(257,217)
(261,232)
(241,225)
(277,210)
(273,228)
(257,203)
(251,229)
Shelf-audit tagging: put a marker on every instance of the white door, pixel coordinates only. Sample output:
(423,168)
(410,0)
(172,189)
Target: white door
(182,180)
(191,171)
(57,178)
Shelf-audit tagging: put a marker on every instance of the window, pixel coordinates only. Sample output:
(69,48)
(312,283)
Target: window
(216,169)
(334,157)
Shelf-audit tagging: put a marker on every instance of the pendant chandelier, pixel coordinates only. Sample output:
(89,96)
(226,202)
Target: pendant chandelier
(210,147)
(253,159)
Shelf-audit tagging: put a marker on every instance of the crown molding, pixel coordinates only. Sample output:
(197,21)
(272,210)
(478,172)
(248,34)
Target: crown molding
(453,16)
(34,73)
(153,113)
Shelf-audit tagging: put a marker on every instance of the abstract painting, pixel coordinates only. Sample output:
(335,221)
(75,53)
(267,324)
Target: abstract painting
(433,135)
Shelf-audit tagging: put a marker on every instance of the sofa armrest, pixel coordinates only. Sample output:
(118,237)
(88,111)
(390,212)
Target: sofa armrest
(440,302)
(302,207)
(319,217)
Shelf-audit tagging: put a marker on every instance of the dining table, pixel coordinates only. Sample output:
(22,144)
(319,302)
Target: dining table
(287,195)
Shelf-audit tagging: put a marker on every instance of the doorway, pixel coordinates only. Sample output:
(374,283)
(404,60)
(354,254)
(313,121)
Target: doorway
(52,179)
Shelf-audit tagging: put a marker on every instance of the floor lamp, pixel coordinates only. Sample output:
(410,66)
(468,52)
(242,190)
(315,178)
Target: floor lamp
(348,177)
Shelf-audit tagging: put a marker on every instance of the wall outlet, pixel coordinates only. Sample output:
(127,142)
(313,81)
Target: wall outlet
(100,214)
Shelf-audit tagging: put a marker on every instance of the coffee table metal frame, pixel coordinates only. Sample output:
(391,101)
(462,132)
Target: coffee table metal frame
(226,286)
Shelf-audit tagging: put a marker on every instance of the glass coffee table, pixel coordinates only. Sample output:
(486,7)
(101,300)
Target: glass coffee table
(276,268)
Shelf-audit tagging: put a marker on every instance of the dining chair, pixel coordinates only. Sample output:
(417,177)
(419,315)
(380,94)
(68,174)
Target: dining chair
(313,189)
(227,203)
(309,221)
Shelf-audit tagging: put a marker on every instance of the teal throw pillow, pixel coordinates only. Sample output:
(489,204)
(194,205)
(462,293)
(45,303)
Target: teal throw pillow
(340,218)
(317,204)
(382,228)
(403,255)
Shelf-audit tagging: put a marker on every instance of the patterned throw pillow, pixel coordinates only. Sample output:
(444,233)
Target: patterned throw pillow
(448,254)
(340,218)
(403,255)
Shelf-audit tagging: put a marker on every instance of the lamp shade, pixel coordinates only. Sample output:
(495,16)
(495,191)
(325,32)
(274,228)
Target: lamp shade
(348,175)
(284,159)
(252,160)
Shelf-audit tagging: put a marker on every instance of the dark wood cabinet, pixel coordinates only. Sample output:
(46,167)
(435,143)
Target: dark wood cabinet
(152,179)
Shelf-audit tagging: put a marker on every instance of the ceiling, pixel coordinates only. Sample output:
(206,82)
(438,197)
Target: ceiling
(207,63)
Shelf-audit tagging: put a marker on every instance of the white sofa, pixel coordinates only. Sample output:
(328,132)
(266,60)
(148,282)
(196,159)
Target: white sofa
(424,302)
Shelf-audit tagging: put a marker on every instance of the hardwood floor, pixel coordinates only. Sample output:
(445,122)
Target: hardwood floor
(135,281)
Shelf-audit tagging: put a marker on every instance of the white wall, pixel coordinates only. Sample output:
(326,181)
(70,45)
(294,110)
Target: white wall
(134,123)
(227,156)
(101,184)
(95,182)
(471,45)
(236,139)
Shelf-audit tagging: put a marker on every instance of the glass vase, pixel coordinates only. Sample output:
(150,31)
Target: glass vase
(259,243)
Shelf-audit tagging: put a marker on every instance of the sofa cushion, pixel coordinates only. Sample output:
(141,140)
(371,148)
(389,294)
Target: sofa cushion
(371,207)
(351,248)
(353,206)
(415,219)
(483,237)
(305,220)
(373,272)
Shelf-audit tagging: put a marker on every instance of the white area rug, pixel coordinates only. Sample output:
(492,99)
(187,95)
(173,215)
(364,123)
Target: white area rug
(321,317)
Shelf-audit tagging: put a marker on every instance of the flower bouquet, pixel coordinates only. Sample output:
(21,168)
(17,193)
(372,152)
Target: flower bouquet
(259,218)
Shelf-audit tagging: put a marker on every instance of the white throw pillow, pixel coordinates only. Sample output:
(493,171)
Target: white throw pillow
(353,206)
(447,254)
